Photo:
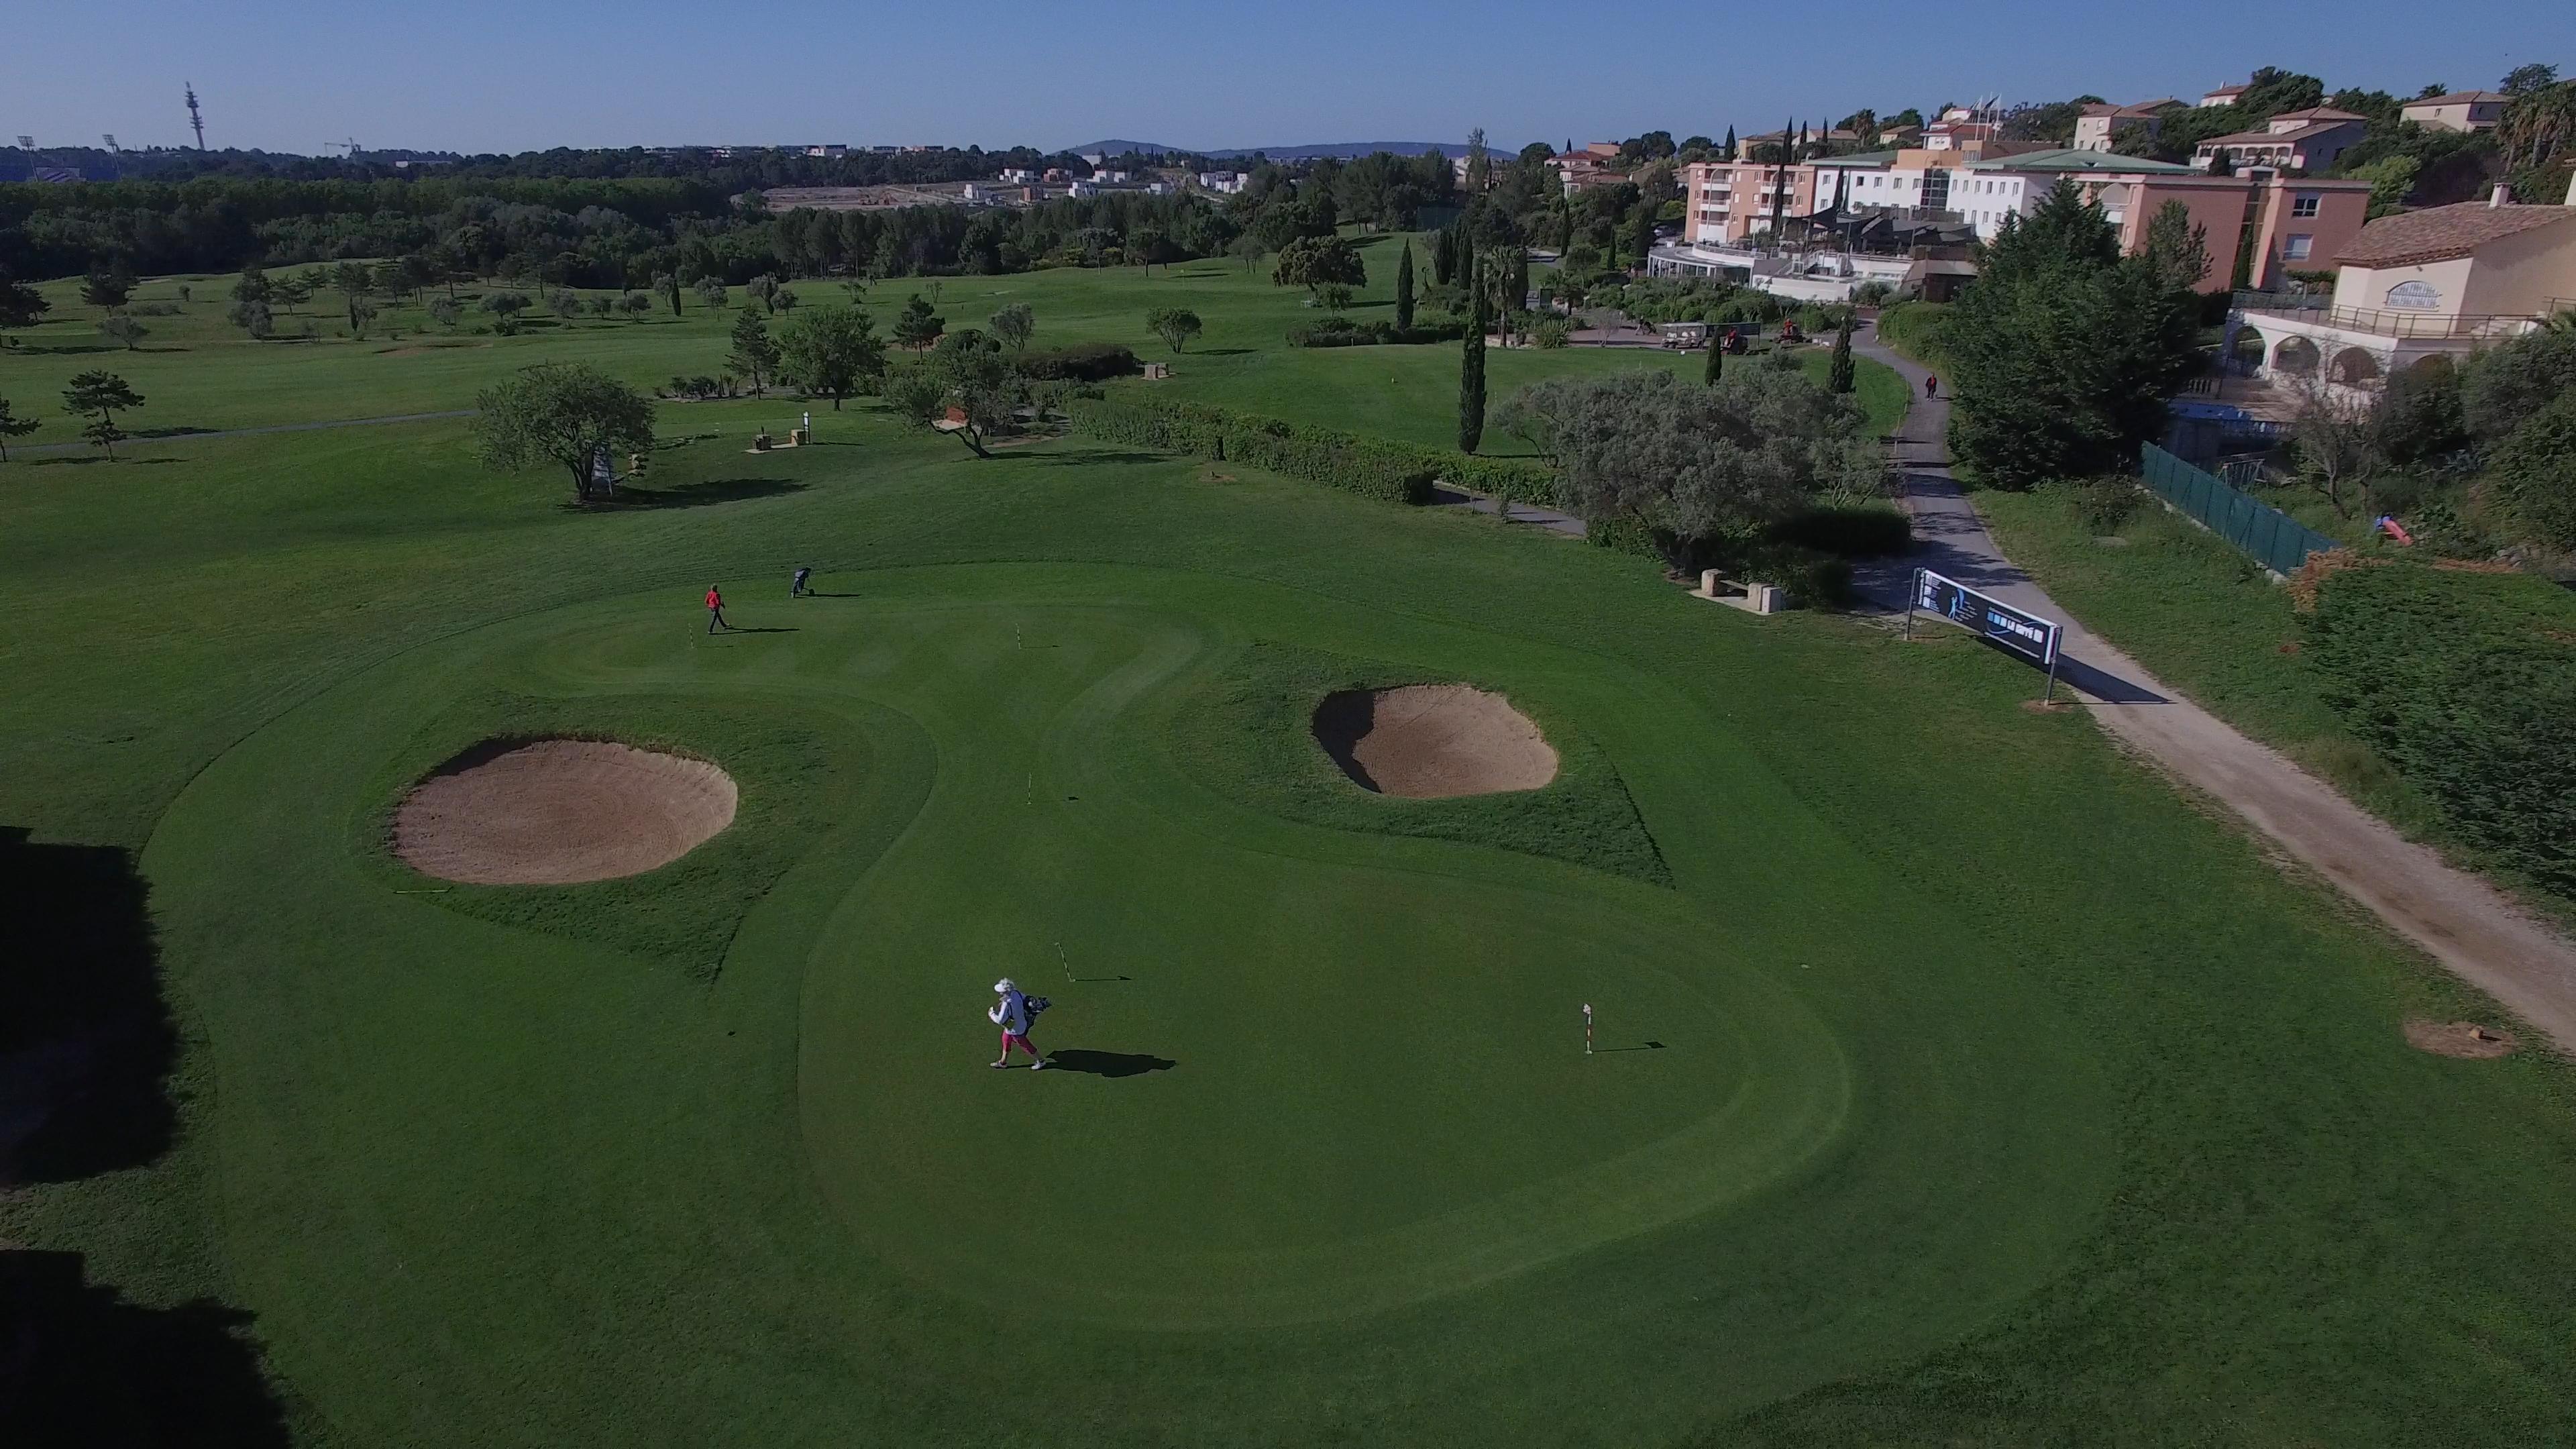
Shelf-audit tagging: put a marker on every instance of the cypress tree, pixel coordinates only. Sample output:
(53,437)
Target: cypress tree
(1444,255)
(1404,289)
(1466,262)
(1839,379)
(1729,149)
(1471,377)
(1716,356)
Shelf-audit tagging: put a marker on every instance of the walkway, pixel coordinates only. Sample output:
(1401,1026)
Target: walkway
(194,435)
(2463,922)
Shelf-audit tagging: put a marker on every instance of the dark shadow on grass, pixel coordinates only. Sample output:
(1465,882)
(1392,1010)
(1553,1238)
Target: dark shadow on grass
(167,432)
(770,629)
(1091,459)
(1221,352)
(80,1365)
(98,458)
(1651,1046)
(1108,1064)
(693,495)
(86,1037)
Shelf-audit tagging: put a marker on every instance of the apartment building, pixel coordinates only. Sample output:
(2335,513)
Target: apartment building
(1964,195)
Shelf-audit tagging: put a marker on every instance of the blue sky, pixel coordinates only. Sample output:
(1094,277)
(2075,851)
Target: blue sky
(484,76)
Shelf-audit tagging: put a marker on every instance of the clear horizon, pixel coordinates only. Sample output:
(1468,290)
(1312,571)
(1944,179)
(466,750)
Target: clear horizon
(289,75)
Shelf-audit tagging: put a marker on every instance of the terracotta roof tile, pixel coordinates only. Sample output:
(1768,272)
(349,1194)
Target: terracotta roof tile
(2442,232)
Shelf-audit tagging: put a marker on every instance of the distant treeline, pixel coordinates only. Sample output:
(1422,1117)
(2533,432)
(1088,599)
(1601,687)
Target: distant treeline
(593,231)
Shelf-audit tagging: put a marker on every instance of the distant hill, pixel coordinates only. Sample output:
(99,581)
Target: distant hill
(1341,150)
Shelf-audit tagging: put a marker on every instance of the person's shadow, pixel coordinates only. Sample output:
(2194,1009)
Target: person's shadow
(1108,1064)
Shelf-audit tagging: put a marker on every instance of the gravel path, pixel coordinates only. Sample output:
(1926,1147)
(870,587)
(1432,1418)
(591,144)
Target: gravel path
(2464,923)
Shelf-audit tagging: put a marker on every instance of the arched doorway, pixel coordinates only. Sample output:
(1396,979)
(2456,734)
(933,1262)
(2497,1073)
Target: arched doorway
(2356,367)
(2296,356)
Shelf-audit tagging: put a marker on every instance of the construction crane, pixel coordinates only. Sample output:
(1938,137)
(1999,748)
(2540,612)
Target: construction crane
(349,146)
(196,122)
(110,139)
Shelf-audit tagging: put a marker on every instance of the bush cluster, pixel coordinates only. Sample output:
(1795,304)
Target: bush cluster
(1085,362)
(1339,331)
(2466,682)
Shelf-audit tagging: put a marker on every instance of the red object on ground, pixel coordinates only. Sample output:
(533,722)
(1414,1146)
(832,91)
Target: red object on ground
(2396,530)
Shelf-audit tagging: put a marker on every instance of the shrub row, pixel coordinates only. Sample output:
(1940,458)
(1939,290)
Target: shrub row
(1914,329)
(1246,438)
(1346,332)
(1088,362)
(1364,466)
(2466,682)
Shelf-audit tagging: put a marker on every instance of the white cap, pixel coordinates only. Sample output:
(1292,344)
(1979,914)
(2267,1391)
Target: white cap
(1004,985)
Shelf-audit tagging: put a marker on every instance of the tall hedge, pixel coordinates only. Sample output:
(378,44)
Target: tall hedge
(1376,467)
(2466,682)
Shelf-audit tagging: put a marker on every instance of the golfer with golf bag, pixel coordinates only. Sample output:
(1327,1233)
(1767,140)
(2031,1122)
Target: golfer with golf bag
(1015,1013)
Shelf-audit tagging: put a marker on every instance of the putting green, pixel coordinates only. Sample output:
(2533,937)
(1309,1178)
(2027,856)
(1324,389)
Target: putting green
(1321,1101)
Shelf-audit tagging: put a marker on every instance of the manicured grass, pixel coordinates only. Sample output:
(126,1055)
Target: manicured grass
(2205,619)
(198,372)
(1989,1070)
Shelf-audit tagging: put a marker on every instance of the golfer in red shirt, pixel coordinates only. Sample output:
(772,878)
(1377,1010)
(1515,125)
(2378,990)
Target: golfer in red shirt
(715,609)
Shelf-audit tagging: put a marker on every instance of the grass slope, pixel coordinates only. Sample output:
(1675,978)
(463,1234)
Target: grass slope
(1991,1070)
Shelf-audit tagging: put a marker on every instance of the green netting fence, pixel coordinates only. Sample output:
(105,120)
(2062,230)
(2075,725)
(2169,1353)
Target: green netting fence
(2259,531)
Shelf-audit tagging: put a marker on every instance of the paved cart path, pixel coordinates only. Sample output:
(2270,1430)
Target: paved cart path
(2465,924)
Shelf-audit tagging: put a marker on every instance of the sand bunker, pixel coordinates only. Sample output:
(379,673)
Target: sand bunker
(1428,741)
(2457,1038)
(553,812)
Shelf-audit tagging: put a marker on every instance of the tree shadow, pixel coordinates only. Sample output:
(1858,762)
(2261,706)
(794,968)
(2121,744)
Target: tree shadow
(86,1037)
(84,460)
(81,1365)
(70,349)
(1108,1064)
(1221,352)
(167,432)
(692,495)
(1094,459)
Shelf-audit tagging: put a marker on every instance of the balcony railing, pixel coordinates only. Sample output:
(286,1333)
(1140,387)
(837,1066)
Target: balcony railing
(2318,310)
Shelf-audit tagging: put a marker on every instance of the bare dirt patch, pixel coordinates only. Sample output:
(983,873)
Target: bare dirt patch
(1433,741)
(2457,1038)
(558,812)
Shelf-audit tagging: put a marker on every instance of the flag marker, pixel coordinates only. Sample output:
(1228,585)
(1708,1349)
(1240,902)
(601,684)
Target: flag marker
(1587,1028)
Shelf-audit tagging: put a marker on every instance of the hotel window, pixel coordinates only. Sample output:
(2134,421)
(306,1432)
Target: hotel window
(2303,204)
(2294,247)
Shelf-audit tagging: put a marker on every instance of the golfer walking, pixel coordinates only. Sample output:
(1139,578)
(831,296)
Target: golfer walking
(1011,1013)
(796,586)
(715,609)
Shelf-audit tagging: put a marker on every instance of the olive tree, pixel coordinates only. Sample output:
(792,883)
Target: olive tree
(971,380)
(1699,467)
(563,413)
(830,351)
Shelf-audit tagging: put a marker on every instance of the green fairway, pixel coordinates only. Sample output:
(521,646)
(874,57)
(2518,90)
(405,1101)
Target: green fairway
(1958,1082)
(198,372)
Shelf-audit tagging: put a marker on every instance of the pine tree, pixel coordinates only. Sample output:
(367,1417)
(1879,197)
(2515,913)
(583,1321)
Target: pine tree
(755,356)
(1471,377)
(1839,378)
(1404,289)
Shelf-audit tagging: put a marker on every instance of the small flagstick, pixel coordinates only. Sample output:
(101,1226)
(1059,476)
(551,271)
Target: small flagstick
(1061,961)
(1587,1028)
